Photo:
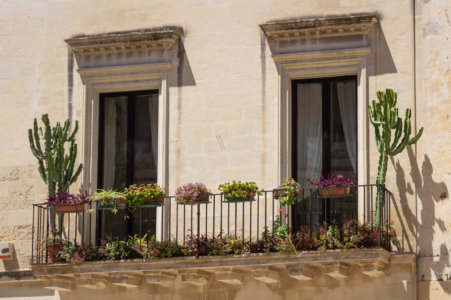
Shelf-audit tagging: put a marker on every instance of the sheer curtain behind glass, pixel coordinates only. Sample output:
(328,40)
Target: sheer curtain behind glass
(115,143)
(309,128)
(348,109)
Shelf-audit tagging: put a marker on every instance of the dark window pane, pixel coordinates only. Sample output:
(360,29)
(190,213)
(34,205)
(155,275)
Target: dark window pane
(129,155)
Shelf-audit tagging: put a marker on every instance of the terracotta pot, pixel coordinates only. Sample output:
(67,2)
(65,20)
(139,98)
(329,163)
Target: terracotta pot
(153,200)
(69,208)
(249,197)
(335,191)
(53,248)
(201,199)
(281,193)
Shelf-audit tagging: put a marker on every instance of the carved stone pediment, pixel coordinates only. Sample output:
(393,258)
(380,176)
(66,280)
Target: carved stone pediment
(157,38)
(319,27)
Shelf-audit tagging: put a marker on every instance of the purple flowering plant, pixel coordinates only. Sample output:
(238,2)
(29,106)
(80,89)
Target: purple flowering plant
(64,198)
(332,181)
(191,193)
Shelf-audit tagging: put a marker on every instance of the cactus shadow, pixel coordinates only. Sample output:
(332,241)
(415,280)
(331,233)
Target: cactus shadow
(421,221)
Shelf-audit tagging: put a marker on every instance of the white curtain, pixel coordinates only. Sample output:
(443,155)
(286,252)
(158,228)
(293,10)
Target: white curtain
(348,110)
(109,152)
(153,115)
(309,120)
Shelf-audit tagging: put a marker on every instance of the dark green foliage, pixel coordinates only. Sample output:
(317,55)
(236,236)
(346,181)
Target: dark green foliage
(384,115)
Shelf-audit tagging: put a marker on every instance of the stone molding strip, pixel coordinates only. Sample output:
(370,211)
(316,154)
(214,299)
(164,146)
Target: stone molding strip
(157,38)
(319,27)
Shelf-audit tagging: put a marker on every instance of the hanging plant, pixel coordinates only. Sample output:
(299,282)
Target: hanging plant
(238,191)
(288,192)
(192,193)
(335,185)
(150,194)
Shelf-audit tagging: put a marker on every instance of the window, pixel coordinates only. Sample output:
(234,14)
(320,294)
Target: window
(329,47)
(324,141)
(128,154)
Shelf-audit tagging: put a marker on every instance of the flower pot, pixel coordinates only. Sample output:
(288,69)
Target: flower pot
(249,197)
(69,208)
(201,199)
(335,191)
(111,204)
(159,201)
(279,193)
(53,248)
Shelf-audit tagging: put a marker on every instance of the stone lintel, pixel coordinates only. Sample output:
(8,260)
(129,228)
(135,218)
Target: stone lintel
(319,27)
(136,40)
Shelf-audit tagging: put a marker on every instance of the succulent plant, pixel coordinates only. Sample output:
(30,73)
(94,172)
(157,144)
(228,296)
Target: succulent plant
(383,114)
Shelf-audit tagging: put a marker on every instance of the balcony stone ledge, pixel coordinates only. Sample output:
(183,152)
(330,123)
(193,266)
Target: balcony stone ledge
(273,269)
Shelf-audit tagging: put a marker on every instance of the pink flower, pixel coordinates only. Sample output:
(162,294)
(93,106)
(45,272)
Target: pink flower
(391,232)
(392,222)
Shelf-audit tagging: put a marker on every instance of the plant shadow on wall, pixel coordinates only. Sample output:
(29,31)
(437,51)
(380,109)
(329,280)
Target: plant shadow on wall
(430,194)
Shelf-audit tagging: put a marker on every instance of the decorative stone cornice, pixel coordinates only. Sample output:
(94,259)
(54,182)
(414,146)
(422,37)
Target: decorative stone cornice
(319,27)
(190,275)
(137,40)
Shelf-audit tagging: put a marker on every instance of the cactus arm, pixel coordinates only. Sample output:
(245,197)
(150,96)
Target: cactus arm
(34,150)
(72,136)
(416,138)
(41,170)
(398,133)
(372,115)
(77,173)
(405,138)
(37,139)
(378,138)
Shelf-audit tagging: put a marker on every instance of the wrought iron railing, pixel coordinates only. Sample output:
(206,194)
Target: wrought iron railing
(248,219)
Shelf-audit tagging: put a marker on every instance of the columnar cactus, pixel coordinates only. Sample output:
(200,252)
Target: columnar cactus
(55,166)
(384,114)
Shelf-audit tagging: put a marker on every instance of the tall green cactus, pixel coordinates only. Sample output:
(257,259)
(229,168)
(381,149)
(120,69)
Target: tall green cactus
(55,166)
(384,114)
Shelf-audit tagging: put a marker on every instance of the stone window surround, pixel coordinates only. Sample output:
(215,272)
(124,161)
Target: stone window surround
(122,77)
(321,63)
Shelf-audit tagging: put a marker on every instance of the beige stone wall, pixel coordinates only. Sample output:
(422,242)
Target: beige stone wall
(229,88)
(430,173)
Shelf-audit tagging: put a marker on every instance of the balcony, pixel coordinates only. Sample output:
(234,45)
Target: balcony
(253,226)
(318,268)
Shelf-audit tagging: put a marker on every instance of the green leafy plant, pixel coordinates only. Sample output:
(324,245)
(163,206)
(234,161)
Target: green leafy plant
(108,197)
(383,114)
(238,189)
(114,250)
(137,195)
(287,192)
(235,245)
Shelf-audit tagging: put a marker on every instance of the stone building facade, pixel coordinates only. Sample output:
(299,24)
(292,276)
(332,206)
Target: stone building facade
(223,72)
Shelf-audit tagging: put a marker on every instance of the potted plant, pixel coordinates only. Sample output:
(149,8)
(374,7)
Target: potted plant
(63,202)
(238,191)
(140,195)
(287,192)
(109,199)
(192,193)
(335,185)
